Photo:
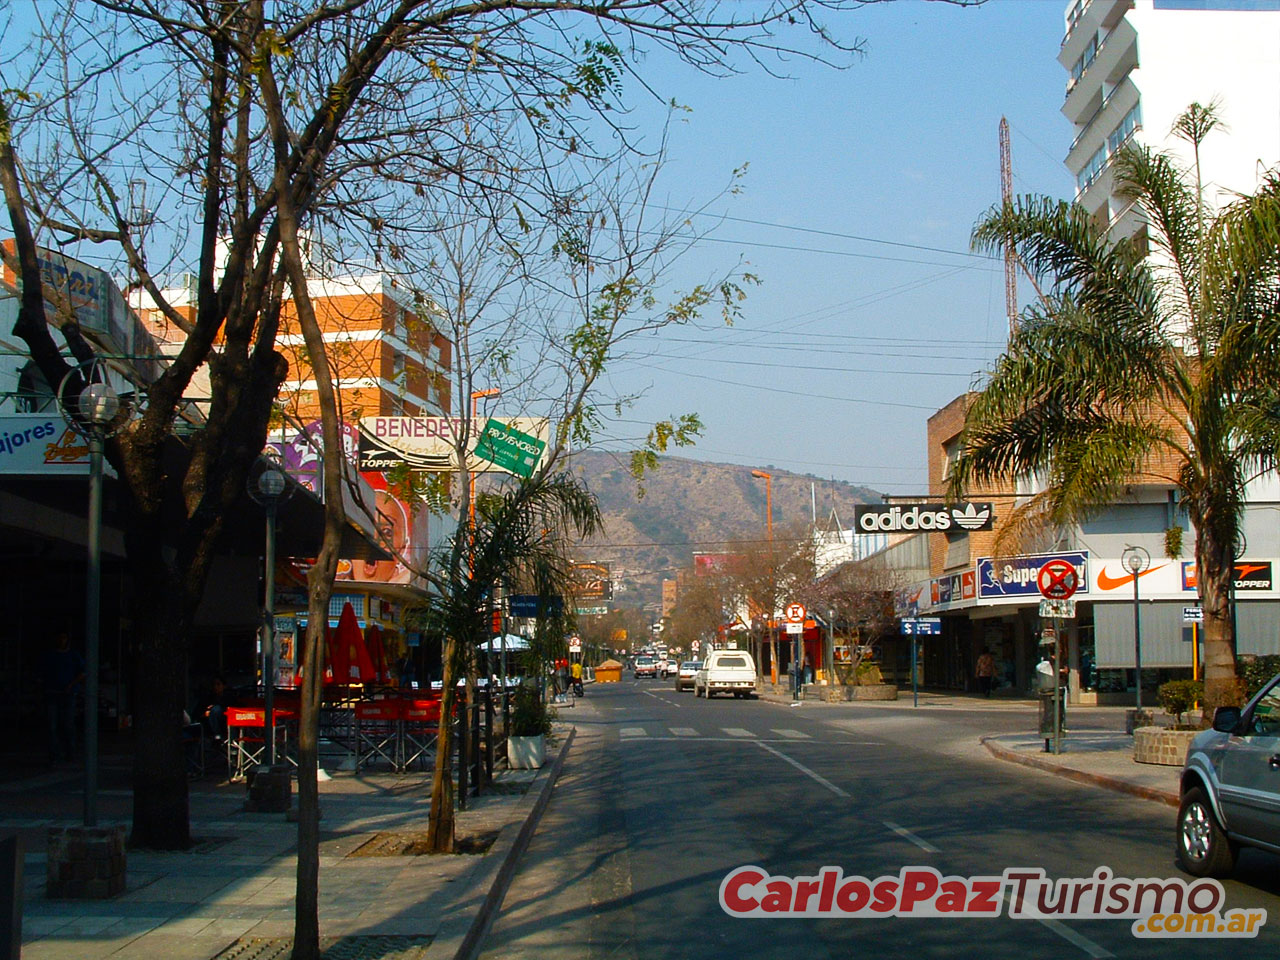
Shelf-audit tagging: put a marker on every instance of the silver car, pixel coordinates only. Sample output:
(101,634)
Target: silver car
(685,674)
(1231,786)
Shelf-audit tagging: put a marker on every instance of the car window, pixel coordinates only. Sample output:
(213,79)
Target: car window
(1266,713)
(731,662)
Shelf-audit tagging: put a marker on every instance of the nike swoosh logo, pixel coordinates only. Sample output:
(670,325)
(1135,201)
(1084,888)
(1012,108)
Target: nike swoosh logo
(1108,582)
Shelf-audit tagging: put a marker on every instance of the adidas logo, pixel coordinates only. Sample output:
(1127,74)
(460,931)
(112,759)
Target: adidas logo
(971,517)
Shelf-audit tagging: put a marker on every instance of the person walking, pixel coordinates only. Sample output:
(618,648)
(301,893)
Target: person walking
(575,672)
(985,671)
(63,673)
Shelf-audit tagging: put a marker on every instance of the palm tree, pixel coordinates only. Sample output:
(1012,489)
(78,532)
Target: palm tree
(1150,360)
(523,530)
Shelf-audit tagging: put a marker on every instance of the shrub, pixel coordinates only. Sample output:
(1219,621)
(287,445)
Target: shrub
(530,717)
(1179,696)
(1256,671)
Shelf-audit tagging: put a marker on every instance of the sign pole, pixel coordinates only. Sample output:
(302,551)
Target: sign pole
(1057,686)
(915,693)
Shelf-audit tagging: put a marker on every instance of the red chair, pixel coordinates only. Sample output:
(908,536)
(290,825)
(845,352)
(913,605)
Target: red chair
(420,728)
(378,732)
(247,739)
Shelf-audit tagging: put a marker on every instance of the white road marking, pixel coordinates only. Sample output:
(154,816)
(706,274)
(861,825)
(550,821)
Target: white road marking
(663,699)
(683,731)
(631,732)
(906,834)
(737,732)
(1077,939)
(803,769)
(1094,950)
(792,734)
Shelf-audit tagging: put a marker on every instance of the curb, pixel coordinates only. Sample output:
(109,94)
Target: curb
(496,875)
(1002,752)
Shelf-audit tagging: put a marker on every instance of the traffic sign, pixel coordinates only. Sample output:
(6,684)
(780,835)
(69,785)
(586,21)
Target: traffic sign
(1058,580)
(1193,614)
(1062,609)
(795,612)
(575,644)
(794,626)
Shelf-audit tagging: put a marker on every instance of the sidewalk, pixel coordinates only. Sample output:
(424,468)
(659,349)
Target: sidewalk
(232,894)
(1100,753)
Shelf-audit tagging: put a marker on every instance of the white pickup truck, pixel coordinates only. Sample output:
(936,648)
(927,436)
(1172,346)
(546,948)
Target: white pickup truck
(726,671)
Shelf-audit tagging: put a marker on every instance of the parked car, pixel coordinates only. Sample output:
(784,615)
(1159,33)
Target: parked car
(726,671)
(685,674)
(1231,787)
(646,667)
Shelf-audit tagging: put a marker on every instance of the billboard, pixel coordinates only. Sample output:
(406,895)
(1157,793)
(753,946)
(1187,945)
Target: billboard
(590,581)
(1016,576)
(429,444)
(41,443)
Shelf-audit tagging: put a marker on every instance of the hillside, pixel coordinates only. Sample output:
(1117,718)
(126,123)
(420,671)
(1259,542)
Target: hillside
(694,506)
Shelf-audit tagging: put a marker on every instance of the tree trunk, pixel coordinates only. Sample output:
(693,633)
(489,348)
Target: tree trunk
(440,820)
(161,804)
(1215,573)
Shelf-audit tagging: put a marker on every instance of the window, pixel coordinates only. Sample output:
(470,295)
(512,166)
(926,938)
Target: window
(1086,58)
(1124,130)
(1091,169)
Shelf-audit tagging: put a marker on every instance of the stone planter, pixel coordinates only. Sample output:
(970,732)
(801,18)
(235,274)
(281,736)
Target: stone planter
(85,863)
(1135,720)
(1161,745)
(839,692)
(526,753)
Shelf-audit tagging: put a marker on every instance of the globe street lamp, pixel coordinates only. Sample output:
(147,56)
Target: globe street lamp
(267,485)
(93,412)
(1135,560)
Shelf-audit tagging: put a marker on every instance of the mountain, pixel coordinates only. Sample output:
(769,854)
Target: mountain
(695,506)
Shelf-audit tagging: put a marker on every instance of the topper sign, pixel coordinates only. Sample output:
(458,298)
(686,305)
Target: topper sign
(883,518)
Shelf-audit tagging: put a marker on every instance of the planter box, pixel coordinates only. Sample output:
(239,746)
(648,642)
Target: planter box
(837,692)
(1163,746)
(526,753)
(85,863)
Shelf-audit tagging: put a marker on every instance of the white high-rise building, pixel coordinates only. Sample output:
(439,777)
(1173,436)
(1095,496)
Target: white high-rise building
(1135,65)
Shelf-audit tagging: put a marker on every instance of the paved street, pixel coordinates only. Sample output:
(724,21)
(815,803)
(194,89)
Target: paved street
(664,793)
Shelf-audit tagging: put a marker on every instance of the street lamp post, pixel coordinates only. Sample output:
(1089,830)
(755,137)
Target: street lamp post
(769,614)
(268,489)
(1135,560)
(92,413)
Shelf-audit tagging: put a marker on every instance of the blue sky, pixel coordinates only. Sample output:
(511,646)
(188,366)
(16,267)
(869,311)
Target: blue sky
(849,344)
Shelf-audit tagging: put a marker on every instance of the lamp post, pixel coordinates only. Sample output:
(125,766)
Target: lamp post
(93,412)
(267,486)
(769,614)
(1135,560)
(471,477)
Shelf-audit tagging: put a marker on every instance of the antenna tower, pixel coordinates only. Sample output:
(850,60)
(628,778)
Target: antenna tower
(1010,256)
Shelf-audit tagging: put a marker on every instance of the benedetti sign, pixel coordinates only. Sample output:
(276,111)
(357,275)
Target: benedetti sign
(913,517)
(429,444)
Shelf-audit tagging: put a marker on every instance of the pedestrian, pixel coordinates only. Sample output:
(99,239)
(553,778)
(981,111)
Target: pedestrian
(562,676)
(63,673)
(576,672)
(213,712)
(985,671)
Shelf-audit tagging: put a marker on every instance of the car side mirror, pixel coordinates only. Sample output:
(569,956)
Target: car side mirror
(1226,719)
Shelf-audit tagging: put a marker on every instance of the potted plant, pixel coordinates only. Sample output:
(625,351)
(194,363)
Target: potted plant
(530,724)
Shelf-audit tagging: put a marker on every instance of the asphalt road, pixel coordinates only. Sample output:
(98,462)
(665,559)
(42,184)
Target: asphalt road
(663,794)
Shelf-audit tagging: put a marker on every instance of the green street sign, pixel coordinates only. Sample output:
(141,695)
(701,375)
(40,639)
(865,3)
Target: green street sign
(508,448)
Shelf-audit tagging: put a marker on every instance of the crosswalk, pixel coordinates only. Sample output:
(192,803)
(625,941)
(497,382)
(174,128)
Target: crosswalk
(725,733)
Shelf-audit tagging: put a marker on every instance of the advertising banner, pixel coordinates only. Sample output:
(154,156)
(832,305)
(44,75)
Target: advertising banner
(429,444)
(1015,577)
(41,443)
(590,581)
(1250,575)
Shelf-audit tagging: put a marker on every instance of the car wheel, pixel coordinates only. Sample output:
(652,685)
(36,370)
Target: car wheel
(1204,849)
